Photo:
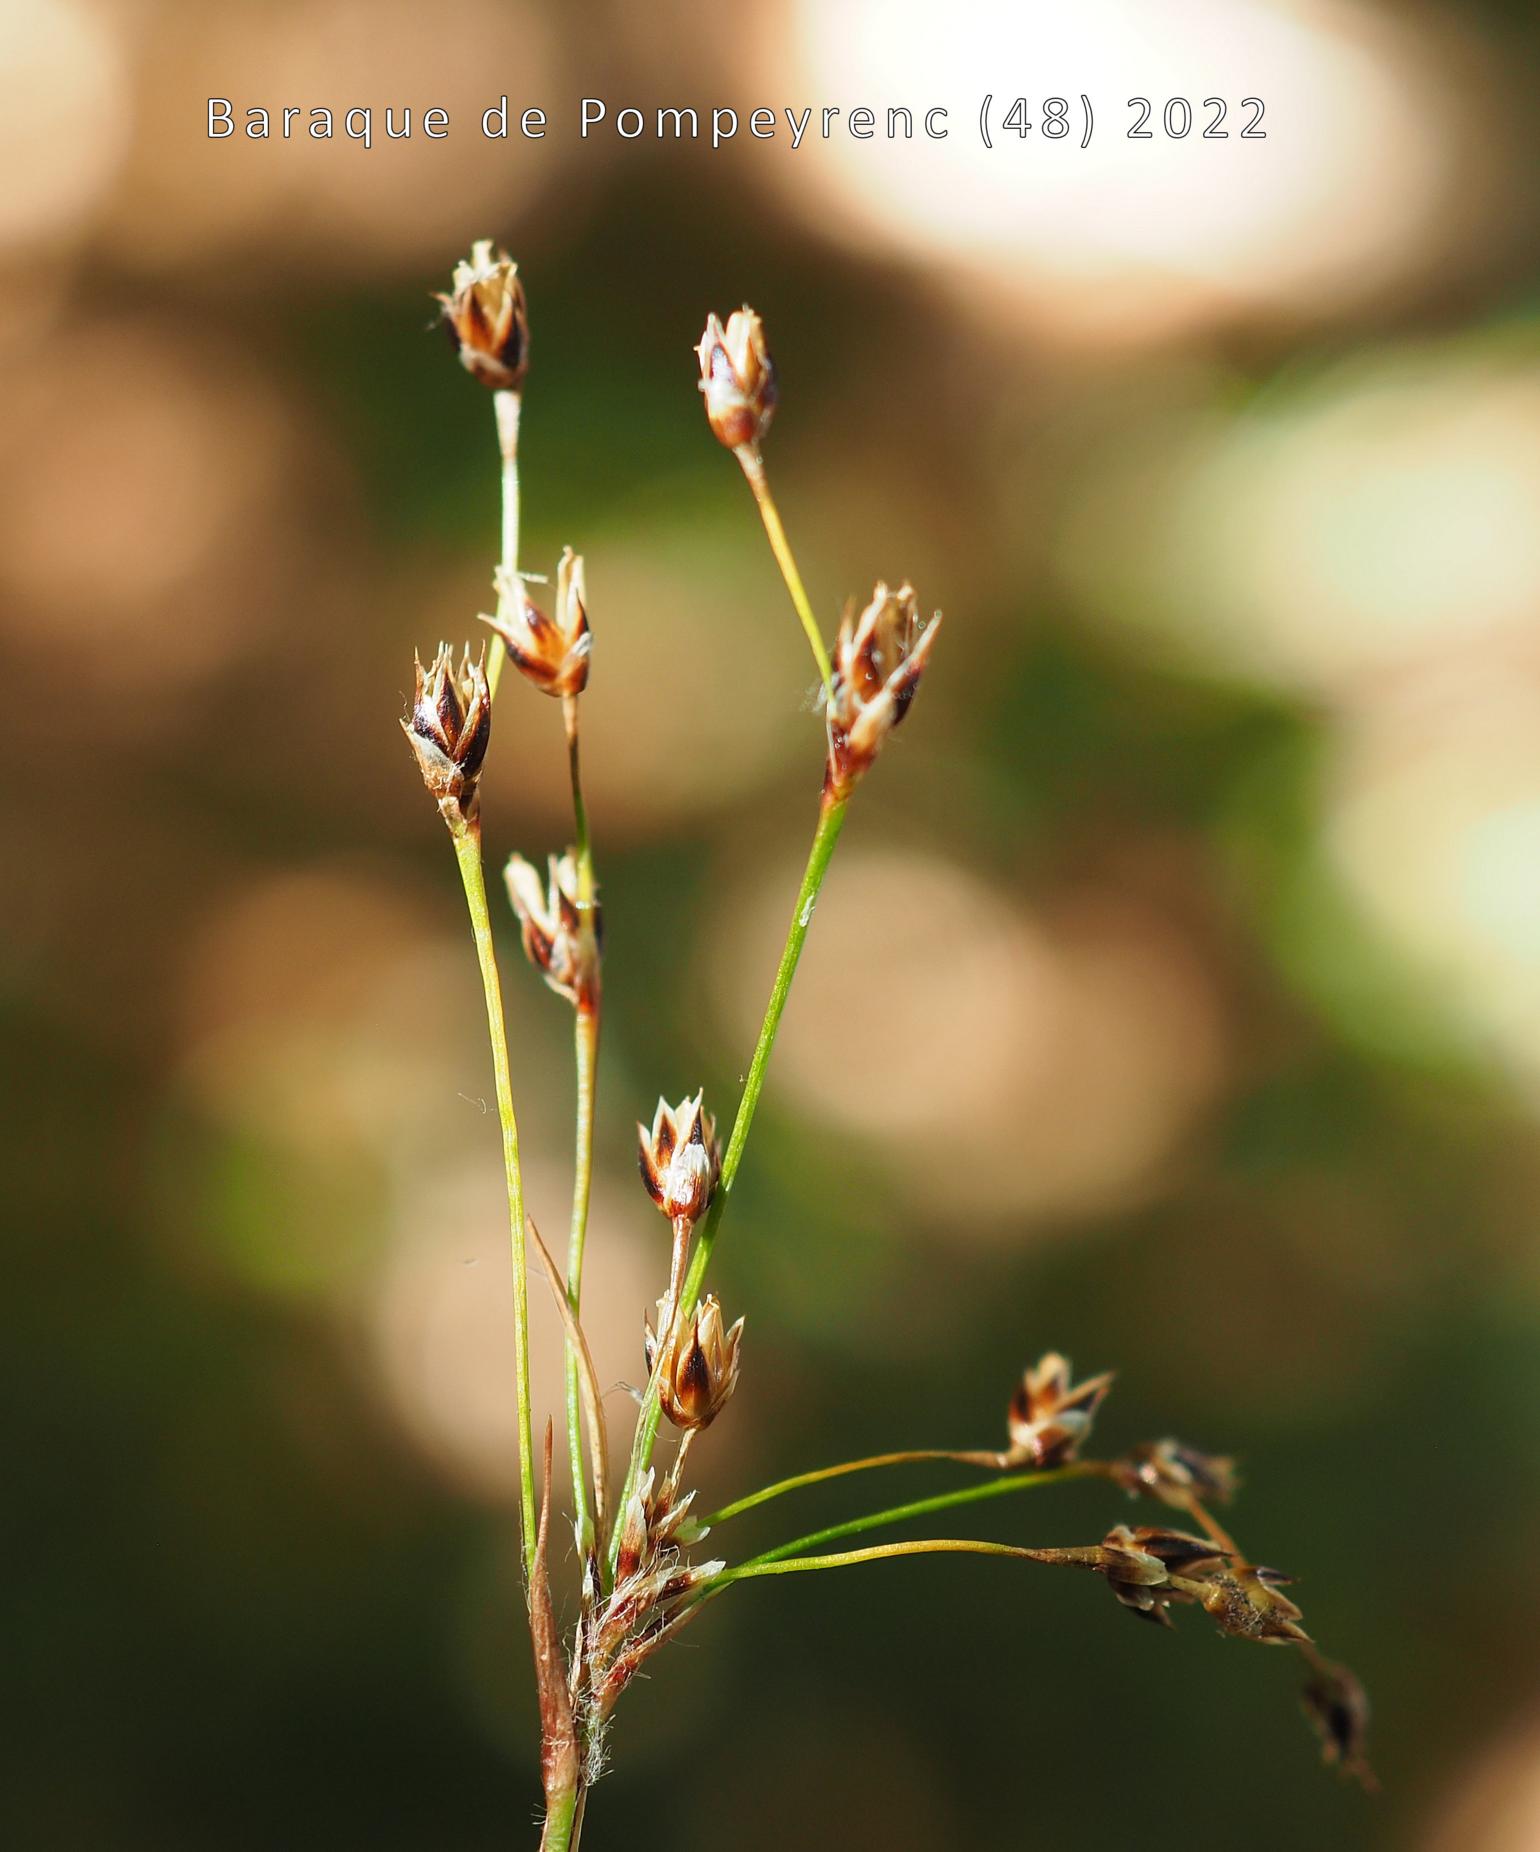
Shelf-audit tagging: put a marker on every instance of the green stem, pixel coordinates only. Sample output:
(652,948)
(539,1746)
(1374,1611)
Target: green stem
(586,1050)
(879,1552)
(923,1507)
(754,471)
(558,1833)
(831,819)
(506,407)
(990,1461)
(467,841)
(586,1061)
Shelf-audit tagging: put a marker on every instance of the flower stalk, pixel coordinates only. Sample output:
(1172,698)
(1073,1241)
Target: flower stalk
(585,1041)
(909,1456)
(506,407)
(752,464)
(467,844)
(831,820)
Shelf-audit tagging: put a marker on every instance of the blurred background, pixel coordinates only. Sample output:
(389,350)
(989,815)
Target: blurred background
(1174,1000)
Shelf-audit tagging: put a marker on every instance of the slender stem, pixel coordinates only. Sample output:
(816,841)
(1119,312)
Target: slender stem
(753,465)
(506,407)
(571,715)
(586,1049)
(676,1471)
(993,1462)
(831,819)
(923,1507)
(1213,1528)
(879,1552)
(467,841)
(586,1062)
(678,1255)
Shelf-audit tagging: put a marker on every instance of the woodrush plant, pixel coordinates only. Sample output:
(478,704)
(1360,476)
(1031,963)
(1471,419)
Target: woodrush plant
(640,1582)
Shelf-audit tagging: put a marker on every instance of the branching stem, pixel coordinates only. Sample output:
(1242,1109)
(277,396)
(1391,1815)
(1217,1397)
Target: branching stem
(879,1552)
(923,1507)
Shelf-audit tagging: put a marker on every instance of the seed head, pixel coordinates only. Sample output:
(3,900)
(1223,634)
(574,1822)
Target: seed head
(679,1159)
(449,727)
(550,652)
(879,657)
(551,922)
(699,1368)
(487,319)
(1244,1601)
(1048,1418)
(1140,1562)
(1338,1708)
(737,377)
(1176,1474)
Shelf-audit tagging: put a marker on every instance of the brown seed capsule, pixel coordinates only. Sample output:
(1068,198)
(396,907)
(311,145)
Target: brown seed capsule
(1139,1564)
(1338,1708)
(1048,1418)
(487,319)
(699,1369)
(679,1159)
(879,657)
(449,727)
(737,377)
(551,922)
(1176,1474)
(1244,1602)
(550,652)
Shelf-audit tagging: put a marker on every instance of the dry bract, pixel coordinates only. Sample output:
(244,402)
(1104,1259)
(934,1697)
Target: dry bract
(487,318)
(737,377)
(879,657)
(653,1586)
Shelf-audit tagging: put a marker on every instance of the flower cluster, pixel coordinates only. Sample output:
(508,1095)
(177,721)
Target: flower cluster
(552,926)
(679,1158)
(1176,1474)
(487,320)
(879,657)
(1050,1416)
(654,1586)
(449,730)
(550,652)
(1150,1568)
(737,378)
(698,1367)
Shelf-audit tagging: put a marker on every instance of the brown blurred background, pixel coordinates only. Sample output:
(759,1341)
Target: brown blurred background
(1175,998)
